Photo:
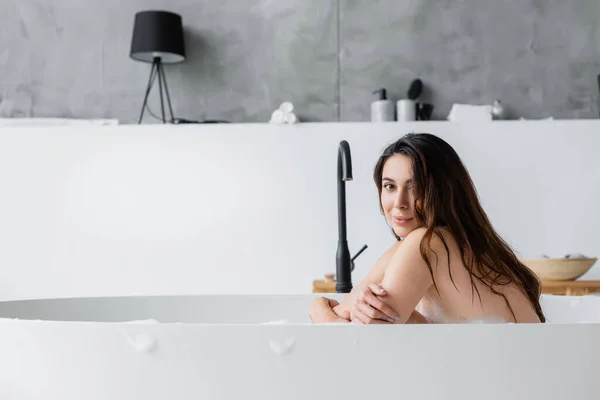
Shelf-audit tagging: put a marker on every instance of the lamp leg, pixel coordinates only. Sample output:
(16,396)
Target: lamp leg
(160,89)
(151,79)
(164,79)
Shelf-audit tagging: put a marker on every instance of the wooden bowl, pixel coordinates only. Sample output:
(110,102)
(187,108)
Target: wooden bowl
(559,269)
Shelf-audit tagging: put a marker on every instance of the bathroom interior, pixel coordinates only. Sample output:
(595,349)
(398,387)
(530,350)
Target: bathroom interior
(170,198)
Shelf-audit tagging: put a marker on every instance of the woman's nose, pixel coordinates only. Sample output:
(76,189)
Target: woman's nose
(400,201)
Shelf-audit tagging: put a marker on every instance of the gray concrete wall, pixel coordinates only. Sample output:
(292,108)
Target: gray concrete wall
(70,58)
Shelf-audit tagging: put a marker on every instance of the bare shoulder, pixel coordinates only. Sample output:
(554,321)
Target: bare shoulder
(438,248)
(408,255)
(440,239)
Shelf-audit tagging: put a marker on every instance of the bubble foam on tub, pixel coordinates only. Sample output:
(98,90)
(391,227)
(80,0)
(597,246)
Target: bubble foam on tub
(276,322)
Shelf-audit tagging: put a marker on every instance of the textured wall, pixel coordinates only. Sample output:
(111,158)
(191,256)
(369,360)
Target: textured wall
(70,58)
(541,57)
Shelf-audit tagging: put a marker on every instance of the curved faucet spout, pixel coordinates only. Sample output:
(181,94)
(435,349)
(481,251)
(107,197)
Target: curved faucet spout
(344,162)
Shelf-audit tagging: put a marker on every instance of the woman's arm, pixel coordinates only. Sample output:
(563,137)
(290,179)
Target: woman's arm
(374,276)
(321,310)
(372,308)
(407,277)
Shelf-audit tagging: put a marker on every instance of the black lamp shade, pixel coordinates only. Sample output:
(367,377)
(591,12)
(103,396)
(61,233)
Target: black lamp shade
(158,34)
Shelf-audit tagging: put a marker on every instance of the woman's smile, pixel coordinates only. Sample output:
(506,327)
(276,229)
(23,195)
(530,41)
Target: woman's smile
(401,221)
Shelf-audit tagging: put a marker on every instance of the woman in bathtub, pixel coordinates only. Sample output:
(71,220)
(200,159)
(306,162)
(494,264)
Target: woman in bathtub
(449,264)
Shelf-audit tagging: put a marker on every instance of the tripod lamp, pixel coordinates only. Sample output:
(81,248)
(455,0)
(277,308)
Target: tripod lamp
(158,39)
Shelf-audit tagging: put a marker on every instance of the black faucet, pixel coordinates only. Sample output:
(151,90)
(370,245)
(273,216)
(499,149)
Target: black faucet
(344,265)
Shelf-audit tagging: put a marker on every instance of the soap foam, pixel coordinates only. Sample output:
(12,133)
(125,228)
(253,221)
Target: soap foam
(142,321)
(488,320)
(276,322)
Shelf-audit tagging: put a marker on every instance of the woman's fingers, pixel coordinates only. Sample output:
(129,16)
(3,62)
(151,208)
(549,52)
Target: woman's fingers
(376,303)
(359,317)
(332,303)
(355,318)
(373,314)
(377,289)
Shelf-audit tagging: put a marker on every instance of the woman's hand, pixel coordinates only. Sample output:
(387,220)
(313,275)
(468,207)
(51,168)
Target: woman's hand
(321,310)
(370,309)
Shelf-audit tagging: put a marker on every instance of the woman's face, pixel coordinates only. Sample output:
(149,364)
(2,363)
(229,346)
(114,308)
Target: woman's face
(397,195)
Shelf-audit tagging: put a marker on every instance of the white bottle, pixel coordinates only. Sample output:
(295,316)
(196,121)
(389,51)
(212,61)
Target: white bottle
(407,110)
(382,109)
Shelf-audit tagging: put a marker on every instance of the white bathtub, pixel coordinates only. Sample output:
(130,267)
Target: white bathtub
(218,347)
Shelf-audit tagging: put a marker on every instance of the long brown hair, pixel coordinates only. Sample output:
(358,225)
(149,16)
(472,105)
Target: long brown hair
(445,196)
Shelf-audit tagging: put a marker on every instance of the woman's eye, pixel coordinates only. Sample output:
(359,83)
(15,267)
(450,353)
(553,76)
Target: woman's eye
(388,186)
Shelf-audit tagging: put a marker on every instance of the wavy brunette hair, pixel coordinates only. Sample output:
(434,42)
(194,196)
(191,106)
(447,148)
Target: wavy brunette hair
(445,197)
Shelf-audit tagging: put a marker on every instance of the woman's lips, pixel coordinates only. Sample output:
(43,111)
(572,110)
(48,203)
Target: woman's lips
(401,220)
